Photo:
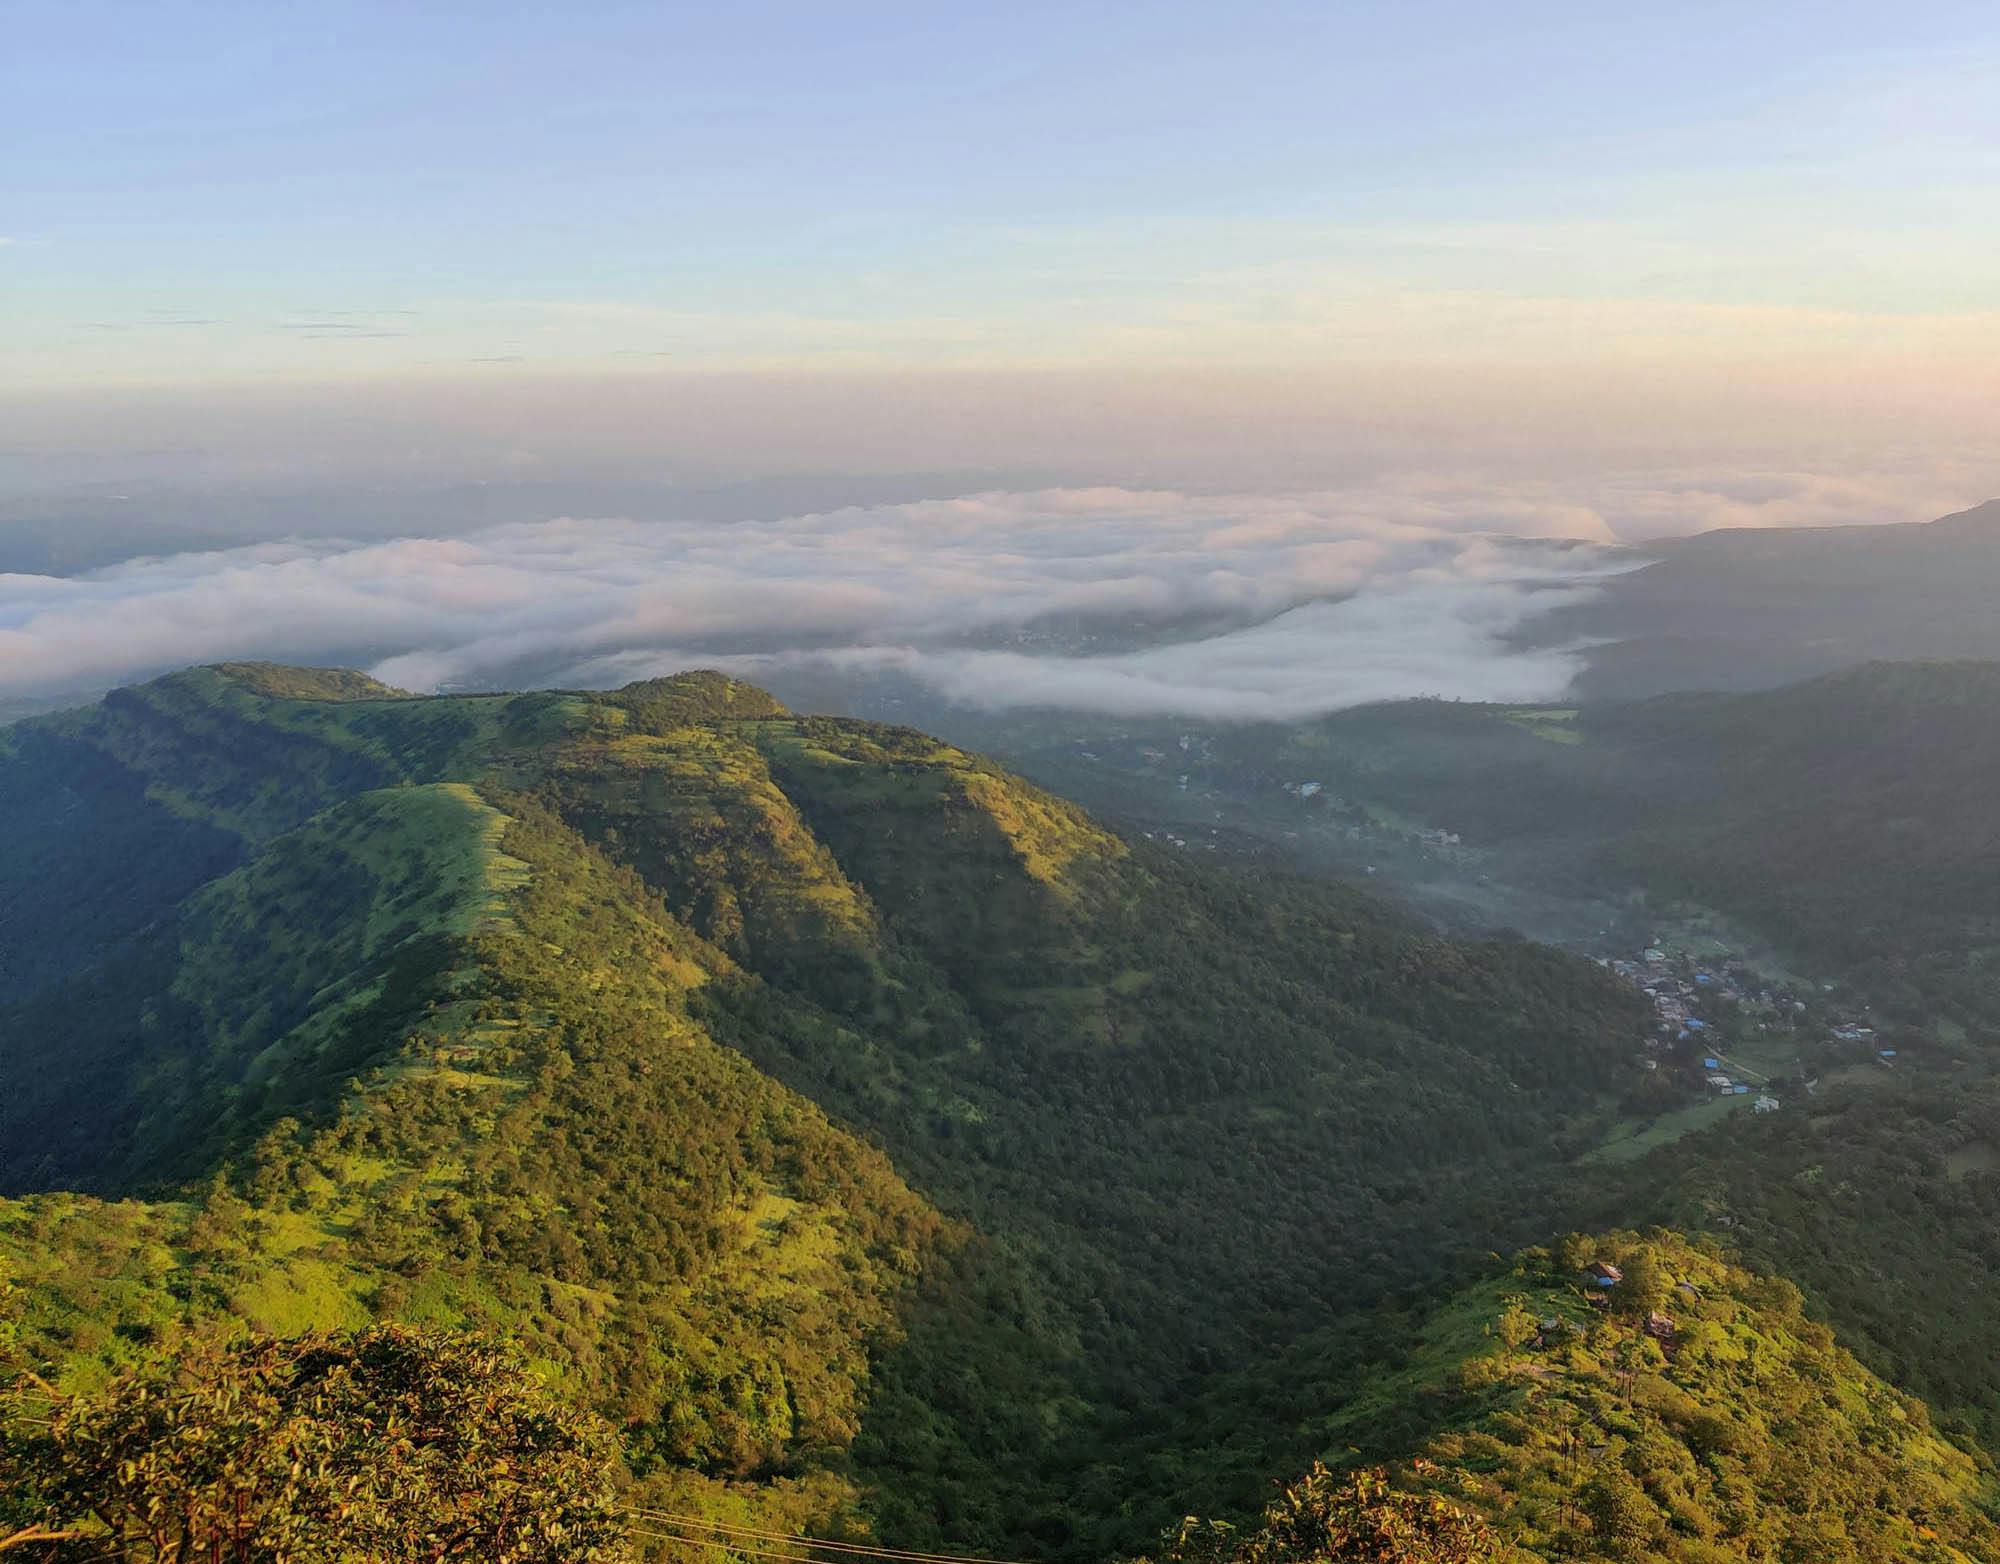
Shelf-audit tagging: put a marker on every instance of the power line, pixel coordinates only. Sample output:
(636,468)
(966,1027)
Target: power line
(866,1550)
(751,1534)
(729,1547)
(765,1534)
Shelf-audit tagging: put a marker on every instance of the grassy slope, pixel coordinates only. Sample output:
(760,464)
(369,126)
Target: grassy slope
(1751,1435)
(261,993)
(721,1293)
(1194,1113)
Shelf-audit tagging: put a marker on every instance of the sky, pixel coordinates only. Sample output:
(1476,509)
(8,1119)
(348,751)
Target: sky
(710,295)
(198,194)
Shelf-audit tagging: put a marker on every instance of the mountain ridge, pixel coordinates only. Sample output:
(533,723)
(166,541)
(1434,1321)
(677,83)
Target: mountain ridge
(1736,609)
(815,1098)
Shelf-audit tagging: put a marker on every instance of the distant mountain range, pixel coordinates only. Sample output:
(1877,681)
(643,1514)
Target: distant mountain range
(1752,608)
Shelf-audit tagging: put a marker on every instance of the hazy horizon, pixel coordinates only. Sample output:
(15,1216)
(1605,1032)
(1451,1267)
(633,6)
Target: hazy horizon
(511,343)
(1793,205)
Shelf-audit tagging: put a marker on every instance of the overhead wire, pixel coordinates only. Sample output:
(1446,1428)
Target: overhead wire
(865,1550)
(721,1543)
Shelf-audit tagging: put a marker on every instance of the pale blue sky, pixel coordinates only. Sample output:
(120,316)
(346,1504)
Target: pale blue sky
(210,192)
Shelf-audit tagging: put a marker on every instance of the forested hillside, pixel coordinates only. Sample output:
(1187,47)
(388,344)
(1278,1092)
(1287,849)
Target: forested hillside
(1845,823)
(1750,608)
(1851,817)
(839,1114)
(1838,836)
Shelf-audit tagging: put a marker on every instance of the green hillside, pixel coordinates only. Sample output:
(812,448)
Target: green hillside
(876,1140)
(834,1110)
(1839,836)
(1689,1413)
(1851,816)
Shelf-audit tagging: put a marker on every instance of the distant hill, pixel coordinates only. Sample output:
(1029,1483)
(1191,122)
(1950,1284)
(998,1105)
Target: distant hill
(1743,609)
(864,1130)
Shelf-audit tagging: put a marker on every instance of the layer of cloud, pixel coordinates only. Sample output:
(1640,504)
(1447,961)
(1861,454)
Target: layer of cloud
(1237,605)
(1445,636)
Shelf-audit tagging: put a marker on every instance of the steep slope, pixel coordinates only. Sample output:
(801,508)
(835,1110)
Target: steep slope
(1839,832)
(545,1145)
(1852,816)
(262,993)
(1689,1413)
(528,1012)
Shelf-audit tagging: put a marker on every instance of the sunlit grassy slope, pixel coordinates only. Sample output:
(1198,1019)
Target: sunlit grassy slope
(847,1117)
(1691,1414)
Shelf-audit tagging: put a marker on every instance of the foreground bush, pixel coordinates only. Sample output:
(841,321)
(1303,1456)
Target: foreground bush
(386,1445)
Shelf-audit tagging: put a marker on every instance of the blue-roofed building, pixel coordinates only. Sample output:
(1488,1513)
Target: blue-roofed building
(1711,1064)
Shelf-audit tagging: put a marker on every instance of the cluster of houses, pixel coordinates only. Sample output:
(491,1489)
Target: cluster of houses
(1855,1032)
(1677,990)
(1680,988)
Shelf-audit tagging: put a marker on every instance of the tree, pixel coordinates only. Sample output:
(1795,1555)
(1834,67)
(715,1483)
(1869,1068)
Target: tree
(1646,1283)
(1351,1518)
(390,1444)
(1710,1432)
(1619,1509)
(1516,1327)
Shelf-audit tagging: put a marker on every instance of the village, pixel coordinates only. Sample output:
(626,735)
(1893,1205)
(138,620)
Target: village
(1723,1031)
(1727,1033)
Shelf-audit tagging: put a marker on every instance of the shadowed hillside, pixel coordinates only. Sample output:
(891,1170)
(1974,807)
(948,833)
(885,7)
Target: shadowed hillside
(1749,608)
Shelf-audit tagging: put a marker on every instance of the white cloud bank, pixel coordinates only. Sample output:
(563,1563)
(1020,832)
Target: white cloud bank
(1445,635)
(1255,606)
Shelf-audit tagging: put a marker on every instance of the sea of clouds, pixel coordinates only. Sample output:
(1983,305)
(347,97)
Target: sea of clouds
(1107,599)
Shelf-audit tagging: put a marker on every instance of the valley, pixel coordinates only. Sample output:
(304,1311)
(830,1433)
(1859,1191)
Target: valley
(1828,843)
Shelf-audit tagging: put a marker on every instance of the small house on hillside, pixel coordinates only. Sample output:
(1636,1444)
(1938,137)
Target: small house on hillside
(1603,1273)
(1660,1326)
